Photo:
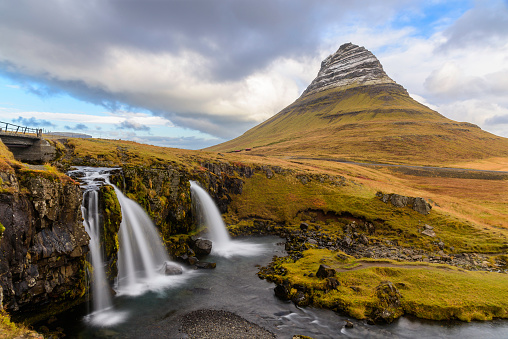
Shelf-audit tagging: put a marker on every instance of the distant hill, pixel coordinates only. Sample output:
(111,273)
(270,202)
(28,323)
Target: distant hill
(352,110)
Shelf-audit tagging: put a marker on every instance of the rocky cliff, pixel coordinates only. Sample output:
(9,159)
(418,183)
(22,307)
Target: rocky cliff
(164,191)
(44,244)
(350,66)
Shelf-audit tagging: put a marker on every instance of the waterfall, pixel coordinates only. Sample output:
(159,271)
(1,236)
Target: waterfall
(142,257)
(211,217)
(92,179)
(101,296)
(223,245)
(141,254)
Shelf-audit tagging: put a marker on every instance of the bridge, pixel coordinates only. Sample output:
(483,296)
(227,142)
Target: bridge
(26,144)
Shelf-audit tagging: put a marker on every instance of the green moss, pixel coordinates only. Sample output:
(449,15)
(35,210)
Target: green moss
(112,216)
(428,291)
(284,198)
(10,330)
(2,229)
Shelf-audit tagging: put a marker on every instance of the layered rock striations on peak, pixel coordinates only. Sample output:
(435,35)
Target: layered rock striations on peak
(353,110)
(350,66)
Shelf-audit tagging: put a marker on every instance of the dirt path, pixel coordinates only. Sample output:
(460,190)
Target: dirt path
(366,264)
(427,171)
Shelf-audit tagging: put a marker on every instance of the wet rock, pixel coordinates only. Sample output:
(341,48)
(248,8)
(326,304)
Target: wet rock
(304,226)
(202,247)
(348,324)
(281,292)
(205,265)
(192,260)
(44,244)
(301,299)
(325,271)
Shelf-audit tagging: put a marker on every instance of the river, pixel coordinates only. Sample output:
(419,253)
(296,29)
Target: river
(234,286)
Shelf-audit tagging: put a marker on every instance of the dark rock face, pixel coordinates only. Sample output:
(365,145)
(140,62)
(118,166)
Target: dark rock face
(43,247)
(350,66)
(163,193)
(417,204)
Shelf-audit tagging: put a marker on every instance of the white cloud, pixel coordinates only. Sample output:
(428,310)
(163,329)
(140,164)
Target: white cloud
(223,76)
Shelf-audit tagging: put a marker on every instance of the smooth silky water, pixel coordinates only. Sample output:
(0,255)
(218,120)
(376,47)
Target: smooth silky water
(234,286)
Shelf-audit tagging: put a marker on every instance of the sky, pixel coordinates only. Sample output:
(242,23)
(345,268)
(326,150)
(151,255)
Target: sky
(195,73)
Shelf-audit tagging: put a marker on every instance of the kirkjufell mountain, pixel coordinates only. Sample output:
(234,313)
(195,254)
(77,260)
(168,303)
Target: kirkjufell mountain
(353,110)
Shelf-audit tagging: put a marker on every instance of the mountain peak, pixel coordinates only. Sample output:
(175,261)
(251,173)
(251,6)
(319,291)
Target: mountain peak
(350,66)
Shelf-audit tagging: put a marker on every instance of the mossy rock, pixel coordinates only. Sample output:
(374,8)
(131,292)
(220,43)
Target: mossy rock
(112,218)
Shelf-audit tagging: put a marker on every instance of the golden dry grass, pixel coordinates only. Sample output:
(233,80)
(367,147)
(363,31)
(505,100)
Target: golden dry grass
(385,127)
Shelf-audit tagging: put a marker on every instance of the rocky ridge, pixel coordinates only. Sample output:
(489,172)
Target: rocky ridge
(44,245)
(350,66)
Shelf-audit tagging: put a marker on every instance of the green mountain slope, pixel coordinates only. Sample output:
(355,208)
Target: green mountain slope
(367,121)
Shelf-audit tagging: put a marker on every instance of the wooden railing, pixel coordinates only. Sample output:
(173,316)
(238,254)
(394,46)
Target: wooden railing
(7,127)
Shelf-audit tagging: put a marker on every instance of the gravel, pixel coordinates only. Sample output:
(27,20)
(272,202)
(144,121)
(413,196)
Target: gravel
(220,324)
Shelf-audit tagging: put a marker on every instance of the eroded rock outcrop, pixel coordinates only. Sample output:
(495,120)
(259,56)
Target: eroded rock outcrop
(416,203)
(44,245)
(350,66)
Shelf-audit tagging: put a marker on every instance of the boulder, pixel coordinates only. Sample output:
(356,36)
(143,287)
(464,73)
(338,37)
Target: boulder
(421,206)
(325,271)
(389,306)
(170,268)
(417,204)
(301,299)
(304,226)
(202,247)
(348,324)
(399,200)
(192,260)
(281,292)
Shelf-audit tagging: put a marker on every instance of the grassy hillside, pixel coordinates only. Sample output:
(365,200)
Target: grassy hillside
(372,124)
(469,217)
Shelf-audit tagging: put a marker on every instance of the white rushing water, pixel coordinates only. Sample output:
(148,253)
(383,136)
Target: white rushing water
(222,244)
(141,253)
(103,313)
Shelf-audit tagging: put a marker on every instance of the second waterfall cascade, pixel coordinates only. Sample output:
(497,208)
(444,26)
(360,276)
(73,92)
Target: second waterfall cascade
(222,244)
(141,255)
